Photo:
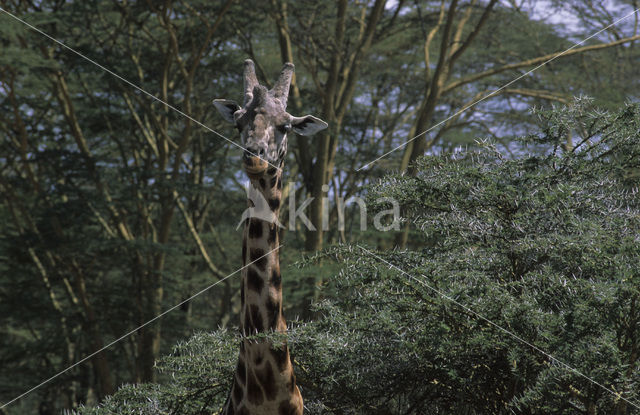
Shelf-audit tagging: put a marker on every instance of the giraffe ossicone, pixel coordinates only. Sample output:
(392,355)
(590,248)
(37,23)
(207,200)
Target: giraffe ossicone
(264,382)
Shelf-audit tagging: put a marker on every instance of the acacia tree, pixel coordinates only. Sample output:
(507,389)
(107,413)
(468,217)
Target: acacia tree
(366,47)
(95,181)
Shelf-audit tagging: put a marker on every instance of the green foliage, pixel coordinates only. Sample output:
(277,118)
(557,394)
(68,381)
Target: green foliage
(544,246)
(199,373)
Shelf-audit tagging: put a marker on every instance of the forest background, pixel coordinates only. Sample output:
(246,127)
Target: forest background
(115,207)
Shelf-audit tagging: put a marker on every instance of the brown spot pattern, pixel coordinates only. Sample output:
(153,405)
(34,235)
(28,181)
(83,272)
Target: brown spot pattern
(248,326)
(254,393)
(258,360)
(281,356)
(244,251)
(292,382)
(240,371)
(273,312)
(256,318)
(254,281)
(255,229)
(287,408)
(258,258)
(273,234)
(274,204)
(237,392)
(268,382)
(276,279)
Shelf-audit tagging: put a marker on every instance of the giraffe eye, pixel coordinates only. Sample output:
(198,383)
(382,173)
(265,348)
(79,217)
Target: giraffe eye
(284,128)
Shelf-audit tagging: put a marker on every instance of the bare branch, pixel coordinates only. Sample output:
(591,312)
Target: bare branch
(429,39)
(535,94)
(483,19)
(196,237)
(533,61)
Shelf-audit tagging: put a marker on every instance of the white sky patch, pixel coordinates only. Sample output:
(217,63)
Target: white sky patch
(569,22)
(545,11)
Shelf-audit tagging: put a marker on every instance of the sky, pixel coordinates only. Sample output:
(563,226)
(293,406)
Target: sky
(562,16)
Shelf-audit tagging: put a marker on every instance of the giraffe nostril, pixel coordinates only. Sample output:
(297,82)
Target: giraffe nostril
(254,152)
(251,152)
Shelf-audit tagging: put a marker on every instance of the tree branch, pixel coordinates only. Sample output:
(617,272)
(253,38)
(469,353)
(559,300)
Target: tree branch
(429,39)
(535,94)
(534,61)
(483,19)
(196,237)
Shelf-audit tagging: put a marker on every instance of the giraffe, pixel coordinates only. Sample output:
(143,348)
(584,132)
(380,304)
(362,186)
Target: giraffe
(264,382)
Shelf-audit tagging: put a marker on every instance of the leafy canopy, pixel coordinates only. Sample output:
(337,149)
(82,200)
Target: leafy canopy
(544,245)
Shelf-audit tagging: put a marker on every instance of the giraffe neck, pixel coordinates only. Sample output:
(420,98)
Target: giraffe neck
(261,292)
(264,382)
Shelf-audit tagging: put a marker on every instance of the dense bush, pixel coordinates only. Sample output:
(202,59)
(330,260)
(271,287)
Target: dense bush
(544,244)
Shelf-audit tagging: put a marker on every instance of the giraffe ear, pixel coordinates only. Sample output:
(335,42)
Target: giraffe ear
(226,108)
(307,125)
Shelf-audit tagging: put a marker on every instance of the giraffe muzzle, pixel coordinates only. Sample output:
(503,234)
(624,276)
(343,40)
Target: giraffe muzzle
(254,161)
(255,166)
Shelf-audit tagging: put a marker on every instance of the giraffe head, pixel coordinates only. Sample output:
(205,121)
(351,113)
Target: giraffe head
(263,121)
